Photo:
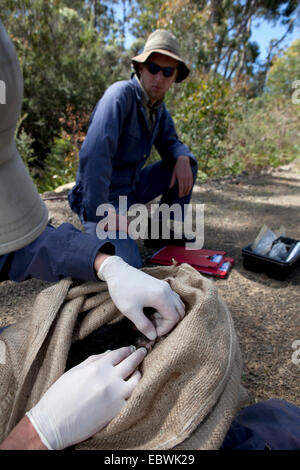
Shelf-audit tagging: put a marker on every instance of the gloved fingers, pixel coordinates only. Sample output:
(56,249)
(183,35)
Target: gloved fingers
(149,345)
(164,328)
(179,305)
(90,359)
(163,325)
(168,311)
(143,324)
(127,367)
(118,355)
(158,320)
(165,293)
(131,383)
(95,357)
(176,295)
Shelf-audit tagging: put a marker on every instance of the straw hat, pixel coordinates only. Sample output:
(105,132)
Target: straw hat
(165,43)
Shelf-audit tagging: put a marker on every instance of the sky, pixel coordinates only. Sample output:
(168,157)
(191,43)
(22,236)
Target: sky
(262,33)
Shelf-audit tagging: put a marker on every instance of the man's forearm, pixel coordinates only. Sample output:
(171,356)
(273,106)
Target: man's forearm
(23,437)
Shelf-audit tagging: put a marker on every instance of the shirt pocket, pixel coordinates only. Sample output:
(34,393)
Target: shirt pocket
(131,148)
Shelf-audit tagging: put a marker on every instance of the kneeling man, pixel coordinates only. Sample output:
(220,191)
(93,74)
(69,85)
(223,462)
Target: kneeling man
(129,119)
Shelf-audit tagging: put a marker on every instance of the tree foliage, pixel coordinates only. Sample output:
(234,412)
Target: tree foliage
(201,108)
(285,71)
(266,135)
(65,60)
(72,50)
(216,35)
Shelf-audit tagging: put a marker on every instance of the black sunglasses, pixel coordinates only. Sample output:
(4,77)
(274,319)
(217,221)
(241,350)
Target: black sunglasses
(154,69)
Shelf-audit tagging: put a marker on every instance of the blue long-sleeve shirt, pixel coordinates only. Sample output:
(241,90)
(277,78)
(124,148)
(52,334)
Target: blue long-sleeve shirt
(117,146)
(55,254)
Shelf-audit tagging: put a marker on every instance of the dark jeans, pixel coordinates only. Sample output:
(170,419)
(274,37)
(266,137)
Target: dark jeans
(154,181)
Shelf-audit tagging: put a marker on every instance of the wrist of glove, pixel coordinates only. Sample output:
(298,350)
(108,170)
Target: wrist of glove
(109,264)
(131,290)
(86,398)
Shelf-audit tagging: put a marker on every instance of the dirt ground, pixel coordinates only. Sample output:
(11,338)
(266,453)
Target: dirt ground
(266,311)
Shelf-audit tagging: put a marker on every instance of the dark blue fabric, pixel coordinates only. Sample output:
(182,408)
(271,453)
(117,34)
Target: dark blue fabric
(145,191)
(273,424)
(117,146)
(55,254)
(127,248)
(154,181)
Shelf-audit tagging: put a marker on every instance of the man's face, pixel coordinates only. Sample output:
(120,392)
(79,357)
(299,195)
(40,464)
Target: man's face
(157,85)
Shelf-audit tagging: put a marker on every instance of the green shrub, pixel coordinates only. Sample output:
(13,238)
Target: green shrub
(201,109)
(266,135)
(60,165)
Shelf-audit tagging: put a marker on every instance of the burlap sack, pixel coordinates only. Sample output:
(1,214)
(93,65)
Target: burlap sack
(190,388)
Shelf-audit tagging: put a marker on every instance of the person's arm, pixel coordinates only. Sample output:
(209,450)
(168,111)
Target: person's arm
(57,253)
(23,437)
(100,146)
(67,252)
(131,290)
(80,403)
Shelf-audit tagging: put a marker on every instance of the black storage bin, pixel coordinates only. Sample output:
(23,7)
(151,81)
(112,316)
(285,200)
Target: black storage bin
(273,268)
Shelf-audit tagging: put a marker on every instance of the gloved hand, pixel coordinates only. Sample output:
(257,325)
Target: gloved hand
(131,290)
(86,398)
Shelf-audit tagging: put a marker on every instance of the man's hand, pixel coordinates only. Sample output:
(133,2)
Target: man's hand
(131,290)
(183,174)
(85,399)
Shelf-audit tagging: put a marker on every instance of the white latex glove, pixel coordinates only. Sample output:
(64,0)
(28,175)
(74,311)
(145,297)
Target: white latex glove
(131,290)
(87,397)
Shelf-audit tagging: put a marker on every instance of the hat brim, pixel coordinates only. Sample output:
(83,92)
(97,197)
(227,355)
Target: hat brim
(23,214)
(183,70)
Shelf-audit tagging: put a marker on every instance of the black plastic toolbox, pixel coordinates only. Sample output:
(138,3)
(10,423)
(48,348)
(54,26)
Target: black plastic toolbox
(273,268)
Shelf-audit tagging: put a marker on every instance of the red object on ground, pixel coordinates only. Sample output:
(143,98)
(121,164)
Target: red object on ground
(212,262)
